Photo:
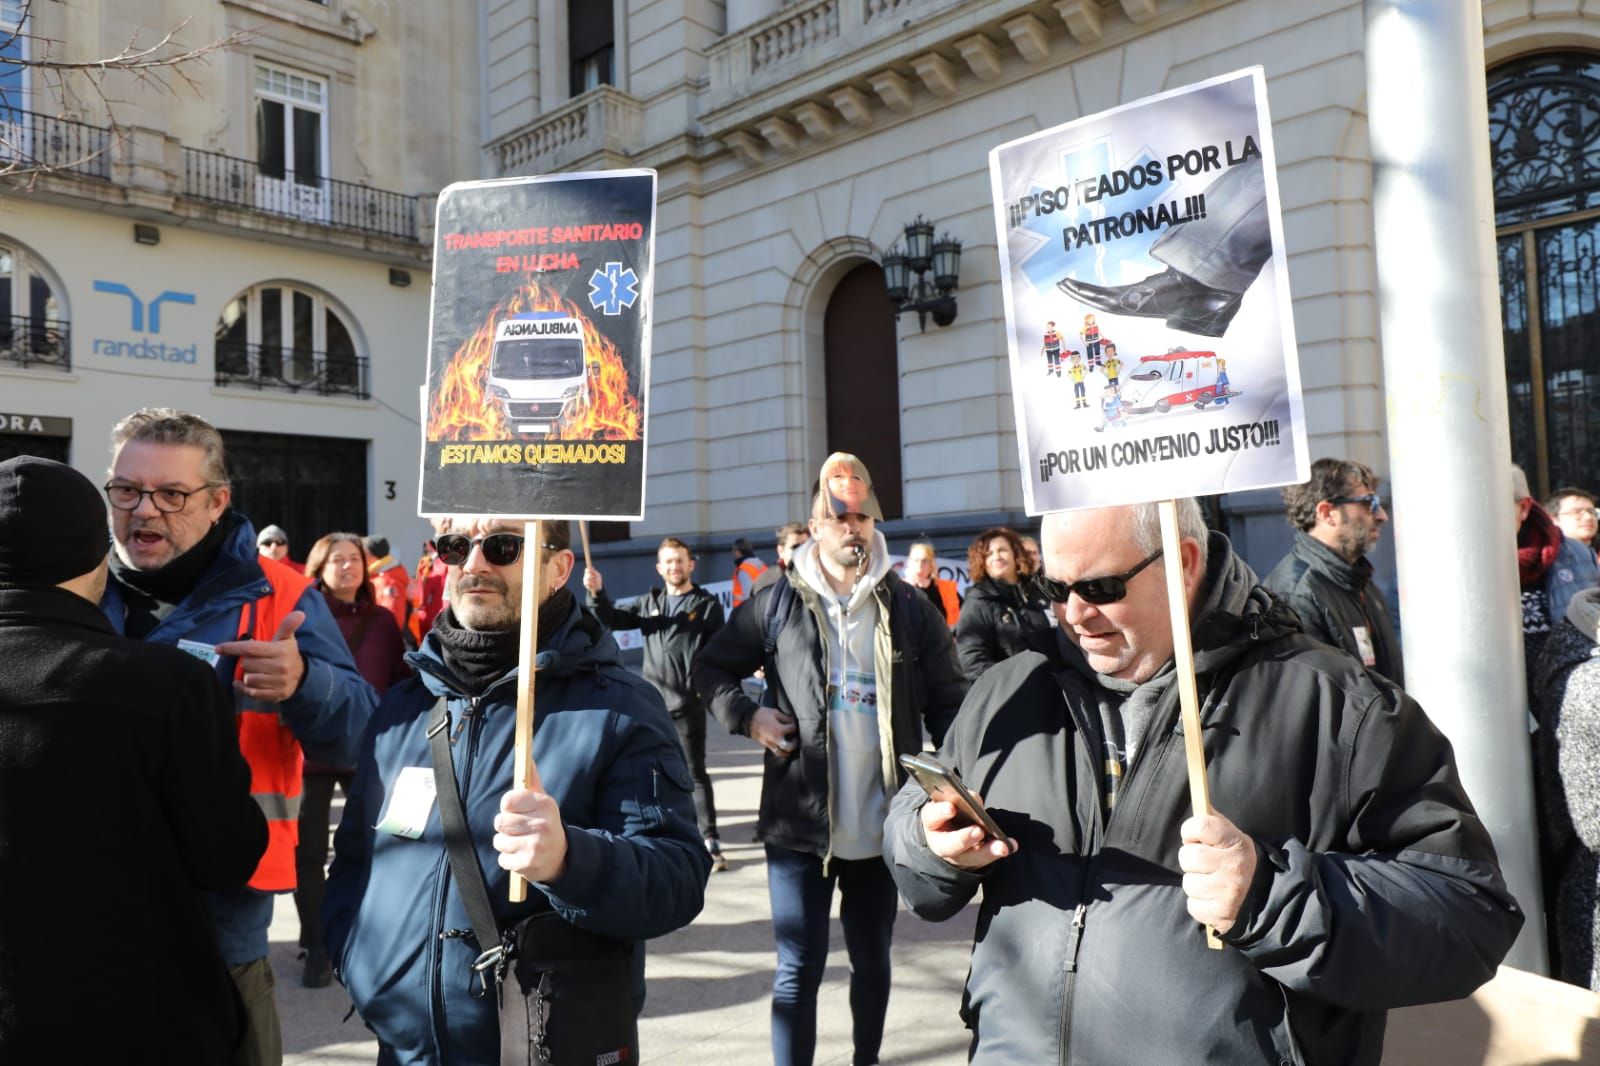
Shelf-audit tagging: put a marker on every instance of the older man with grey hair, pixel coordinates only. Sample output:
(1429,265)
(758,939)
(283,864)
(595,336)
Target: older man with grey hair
(1343,866)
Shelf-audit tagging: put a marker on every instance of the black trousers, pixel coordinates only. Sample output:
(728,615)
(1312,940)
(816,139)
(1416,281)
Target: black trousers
(691,723)
(311,854)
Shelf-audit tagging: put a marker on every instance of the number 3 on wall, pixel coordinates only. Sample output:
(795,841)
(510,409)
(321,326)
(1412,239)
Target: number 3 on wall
(388,490)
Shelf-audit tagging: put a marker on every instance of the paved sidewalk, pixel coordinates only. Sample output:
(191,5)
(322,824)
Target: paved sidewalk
(708,985)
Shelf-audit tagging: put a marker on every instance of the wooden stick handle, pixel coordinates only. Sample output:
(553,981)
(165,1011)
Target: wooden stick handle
(1194,748)
(532,596)
(583,534)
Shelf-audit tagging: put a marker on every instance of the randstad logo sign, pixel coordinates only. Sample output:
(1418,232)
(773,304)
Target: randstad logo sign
(144,317)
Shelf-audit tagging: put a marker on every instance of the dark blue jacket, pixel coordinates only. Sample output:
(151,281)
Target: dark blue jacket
(606,751)
(326,714)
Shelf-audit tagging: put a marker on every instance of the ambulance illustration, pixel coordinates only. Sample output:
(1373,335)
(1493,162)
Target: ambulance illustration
(1180,377)
(536,371)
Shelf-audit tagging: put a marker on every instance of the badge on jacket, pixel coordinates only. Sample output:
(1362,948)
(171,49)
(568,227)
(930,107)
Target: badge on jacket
(1364,646)
(410,802)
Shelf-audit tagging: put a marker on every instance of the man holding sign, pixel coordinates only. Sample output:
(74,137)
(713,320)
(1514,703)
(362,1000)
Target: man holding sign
(186,571)
(605,833)
(1343,866)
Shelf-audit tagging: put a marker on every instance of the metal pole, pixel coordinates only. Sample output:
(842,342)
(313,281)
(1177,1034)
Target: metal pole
(1449,438)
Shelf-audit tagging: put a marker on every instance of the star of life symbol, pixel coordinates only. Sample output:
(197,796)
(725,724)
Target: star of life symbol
(612,289)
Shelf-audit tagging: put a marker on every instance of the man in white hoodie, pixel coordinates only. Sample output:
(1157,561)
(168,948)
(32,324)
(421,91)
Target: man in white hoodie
(857,663)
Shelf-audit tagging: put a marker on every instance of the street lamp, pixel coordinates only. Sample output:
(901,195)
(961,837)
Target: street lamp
(924,254)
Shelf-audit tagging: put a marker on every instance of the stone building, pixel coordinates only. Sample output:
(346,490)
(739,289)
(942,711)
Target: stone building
(795,140)
(250,242)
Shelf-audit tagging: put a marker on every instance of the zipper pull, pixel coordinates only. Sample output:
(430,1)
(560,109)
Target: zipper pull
(1079,915)
(461,724)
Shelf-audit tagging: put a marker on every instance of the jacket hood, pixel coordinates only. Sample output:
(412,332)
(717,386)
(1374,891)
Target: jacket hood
(580,644)
(1234,609)
(809,569)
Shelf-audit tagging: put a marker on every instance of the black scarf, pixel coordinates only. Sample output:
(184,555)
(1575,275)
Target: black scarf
(151,595)
(479,658)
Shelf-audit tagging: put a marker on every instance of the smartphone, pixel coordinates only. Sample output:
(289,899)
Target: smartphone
(943,784)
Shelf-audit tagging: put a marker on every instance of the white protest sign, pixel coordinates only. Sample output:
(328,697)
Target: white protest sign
(1147,301)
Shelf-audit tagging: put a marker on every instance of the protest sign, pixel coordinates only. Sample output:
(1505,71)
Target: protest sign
(1147,301)
(539,347)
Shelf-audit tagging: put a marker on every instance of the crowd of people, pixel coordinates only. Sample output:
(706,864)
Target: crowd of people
(220,695)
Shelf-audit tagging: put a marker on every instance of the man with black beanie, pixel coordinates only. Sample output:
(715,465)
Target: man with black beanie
(605,835)
(89,718)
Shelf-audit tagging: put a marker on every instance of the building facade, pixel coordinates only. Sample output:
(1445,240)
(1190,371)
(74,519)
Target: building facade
(795,140)
(245,235)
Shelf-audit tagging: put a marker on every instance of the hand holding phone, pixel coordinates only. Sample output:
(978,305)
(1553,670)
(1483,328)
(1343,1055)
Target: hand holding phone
(962,833)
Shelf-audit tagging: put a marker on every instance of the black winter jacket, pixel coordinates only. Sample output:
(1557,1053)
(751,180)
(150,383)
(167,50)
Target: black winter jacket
(673,636)
(1376,885)
(1333,597)
(998,621)
(122,797)
(924,688)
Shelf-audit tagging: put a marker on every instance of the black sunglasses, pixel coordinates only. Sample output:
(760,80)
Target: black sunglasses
(1373,501)
(1096,590)
(499,549)
(274,543)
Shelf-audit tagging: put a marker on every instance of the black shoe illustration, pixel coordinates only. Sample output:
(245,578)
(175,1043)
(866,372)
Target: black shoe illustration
(1183,302)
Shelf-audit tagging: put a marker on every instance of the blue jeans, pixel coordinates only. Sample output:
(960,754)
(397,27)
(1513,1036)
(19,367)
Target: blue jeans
(801,900)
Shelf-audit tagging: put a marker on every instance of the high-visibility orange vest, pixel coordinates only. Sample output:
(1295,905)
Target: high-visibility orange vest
(744,578)
(274,755)
(947,596)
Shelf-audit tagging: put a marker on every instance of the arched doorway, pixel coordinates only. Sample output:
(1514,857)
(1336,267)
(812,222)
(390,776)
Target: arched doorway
(862,373)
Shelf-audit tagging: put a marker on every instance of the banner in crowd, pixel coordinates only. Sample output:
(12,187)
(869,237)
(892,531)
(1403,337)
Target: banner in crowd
(539,347)
(1147,301)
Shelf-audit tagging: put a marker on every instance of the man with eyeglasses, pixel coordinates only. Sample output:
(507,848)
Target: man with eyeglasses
(857,663)
(1575,567)
(185,571)
(273,542)
(1343,867)
(605,835)
(1338,517)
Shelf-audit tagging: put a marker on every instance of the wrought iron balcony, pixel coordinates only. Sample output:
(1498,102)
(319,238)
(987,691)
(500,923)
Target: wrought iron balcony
(31,142)
(36,342)
(320,201)
(261,366)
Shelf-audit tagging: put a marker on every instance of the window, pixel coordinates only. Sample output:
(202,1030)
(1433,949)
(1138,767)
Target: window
(279,336)
(33,326)
(291,143)
(1544,139)
(861,357)
(590,39)
(14,84)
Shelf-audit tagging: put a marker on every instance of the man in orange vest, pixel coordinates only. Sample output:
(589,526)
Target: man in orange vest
(185,572)
(920,574)
(746,569)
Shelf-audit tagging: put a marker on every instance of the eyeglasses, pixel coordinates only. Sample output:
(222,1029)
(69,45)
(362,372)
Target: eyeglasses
(1579,513)
(1096,590)
(273,544)
(126,497)
(1373,501)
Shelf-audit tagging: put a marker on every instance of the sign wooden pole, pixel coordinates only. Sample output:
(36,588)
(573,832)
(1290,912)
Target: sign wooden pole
(583,533)
(1183,662)
(532,596)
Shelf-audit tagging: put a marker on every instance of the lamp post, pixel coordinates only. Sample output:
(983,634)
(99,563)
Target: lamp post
(924,255)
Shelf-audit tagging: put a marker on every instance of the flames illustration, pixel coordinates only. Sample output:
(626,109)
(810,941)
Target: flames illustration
(462,410)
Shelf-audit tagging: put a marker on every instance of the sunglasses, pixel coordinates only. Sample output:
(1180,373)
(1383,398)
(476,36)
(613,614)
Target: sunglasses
(499,549)
(274,543)
(1096,590)
(1373,501)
